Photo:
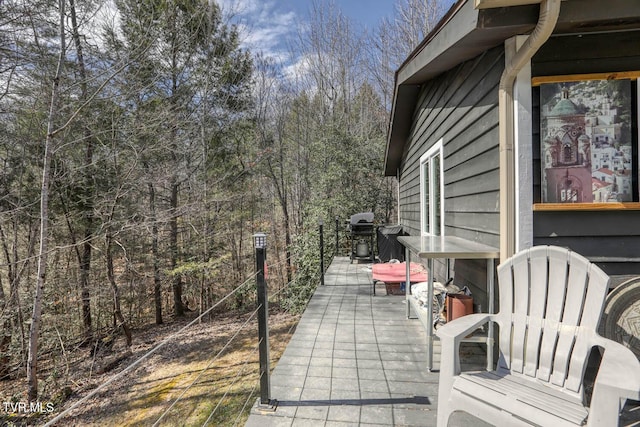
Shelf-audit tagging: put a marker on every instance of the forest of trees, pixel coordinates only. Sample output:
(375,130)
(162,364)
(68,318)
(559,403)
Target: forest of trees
(141,146)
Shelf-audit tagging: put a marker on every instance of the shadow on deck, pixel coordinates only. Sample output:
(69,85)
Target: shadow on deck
(355,359)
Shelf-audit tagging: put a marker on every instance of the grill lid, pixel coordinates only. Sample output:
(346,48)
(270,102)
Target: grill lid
(363,217)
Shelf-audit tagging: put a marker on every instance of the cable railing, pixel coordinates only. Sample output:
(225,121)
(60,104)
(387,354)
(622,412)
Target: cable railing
(229,387)
(146,356)
(260,383)
(246,403)
(248,362)
(184,391)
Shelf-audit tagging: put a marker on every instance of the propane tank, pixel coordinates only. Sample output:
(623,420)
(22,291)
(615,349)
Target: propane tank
(362,249)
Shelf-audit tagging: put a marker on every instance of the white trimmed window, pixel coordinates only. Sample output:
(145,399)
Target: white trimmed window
(432,192)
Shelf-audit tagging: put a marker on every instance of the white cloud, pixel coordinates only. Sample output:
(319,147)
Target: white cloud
(263,28)
(298,68)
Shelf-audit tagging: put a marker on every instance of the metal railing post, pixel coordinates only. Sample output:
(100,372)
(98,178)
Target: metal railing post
(260,241)
(321,226)
(337,238)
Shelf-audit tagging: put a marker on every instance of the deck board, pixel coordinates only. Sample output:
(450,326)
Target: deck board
(355,359)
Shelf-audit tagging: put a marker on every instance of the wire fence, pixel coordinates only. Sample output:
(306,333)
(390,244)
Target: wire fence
(234,382)
(146,356)
(184,391)
(249,362)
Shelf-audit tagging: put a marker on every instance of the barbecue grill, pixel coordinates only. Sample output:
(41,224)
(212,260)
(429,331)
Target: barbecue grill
(361,228)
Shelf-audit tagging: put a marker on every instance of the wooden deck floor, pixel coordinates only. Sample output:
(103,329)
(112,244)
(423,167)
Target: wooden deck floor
(355,359)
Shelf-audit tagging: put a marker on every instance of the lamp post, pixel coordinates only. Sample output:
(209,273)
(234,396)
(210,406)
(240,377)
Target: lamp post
(337,237)
(260,243)
(321,226)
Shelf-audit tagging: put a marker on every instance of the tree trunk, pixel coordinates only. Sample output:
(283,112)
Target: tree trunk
(284,205)
(11,316)
(84,289)
(5,334)
(176,281)
(116,291)
(34,332)
(87,199)
(5,311)
(14,298)
(157,283)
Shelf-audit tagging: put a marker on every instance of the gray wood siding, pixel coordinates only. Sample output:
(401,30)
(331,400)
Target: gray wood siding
(461,108)
(611,238)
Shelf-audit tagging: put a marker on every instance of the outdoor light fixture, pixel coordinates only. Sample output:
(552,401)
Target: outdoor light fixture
(260,240)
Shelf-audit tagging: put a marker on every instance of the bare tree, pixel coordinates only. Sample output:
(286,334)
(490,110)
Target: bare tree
(395,38)
(333,51)
(84,258)
(272,111)
(414,19)
(49,148)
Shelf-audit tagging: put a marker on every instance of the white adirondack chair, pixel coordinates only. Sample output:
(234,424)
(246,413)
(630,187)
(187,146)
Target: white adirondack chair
(550,303)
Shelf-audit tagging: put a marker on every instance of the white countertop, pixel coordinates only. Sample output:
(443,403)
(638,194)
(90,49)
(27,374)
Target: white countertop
(448,247)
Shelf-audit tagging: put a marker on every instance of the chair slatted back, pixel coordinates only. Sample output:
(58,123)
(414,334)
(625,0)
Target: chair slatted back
(550,301)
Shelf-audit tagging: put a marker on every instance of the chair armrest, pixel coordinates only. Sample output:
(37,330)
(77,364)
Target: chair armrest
(451,334)
(462,326)
(618,379)
(619,370)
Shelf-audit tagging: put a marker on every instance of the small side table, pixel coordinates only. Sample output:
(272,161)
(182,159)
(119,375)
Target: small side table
(450,247)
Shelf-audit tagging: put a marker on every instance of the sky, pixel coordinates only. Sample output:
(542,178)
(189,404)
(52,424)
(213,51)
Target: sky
(269,24)
(364,12)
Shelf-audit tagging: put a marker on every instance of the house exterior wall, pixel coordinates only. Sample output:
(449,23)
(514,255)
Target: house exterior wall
(460,107)
(609,237)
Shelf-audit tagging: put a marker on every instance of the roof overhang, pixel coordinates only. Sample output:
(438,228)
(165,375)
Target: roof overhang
(466,31)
